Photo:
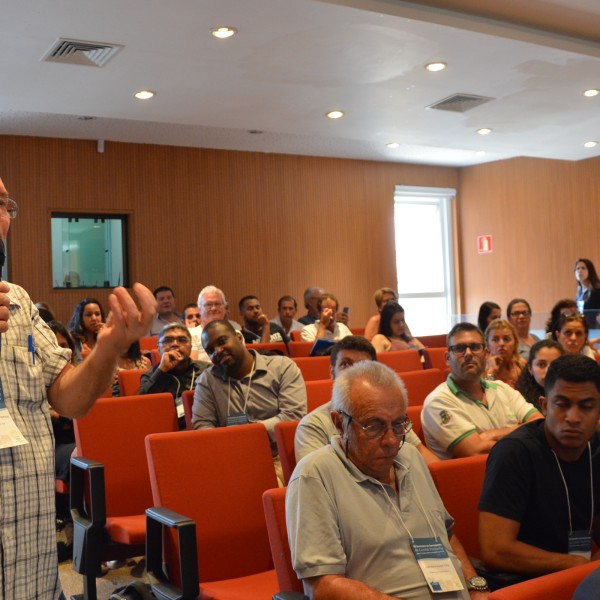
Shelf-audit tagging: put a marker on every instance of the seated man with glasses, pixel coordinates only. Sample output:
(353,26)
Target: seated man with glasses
(176,372)
(467,415)
(362,513)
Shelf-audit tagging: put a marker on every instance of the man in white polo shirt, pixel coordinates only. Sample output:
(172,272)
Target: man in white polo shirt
(467,415)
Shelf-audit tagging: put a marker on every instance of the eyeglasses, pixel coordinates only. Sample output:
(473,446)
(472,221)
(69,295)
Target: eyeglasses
(376,429)
(210,305)
(520,313)
(8,207)
(461,349)
(181,339)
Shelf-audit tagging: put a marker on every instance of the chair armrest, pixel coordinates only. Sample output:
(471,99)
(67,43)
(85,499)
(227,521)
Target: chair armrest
(157,518)
(88,511)
(289,596)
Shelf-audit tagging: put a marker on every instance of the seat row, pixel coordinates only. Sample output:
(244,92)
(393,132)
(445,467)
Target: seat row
(212,494)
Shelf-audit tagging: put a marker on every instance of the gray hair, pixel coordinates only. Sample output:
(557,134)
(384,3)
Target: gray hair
(374,373)
(208,290)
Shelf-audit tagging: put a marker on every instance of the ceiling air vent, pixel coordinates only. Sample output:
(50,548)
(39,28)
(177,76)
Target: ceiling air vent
(80,52)
(460,102)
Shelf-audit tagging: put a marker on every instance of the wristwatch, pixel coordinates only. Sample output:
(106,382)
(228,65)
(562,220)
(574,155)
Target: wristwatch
(478,584)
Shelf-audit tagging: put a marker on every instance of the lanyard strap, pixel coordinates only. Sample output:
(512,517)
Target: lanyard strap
(247,394)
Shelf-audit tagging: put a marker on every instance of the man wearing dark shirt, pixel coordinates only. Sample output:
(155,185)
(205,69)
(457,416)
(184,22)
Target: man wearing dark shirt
(256,326)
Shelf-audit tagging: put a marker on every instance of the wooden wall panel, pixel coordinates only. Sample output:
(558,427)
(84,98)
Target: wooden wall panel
(247,222)
(543,215)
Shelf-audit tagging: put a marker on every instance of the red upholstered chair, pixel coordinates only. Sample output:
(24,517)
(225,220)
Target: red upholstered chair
(313,367)
(401,360)
(300,348)
(318,393)
(437,358)
(187,399)
(358,331)
(560,585)
(278,346)
(154,357)
(296,336)
(285,432)
(113,434)
(459,483)
(420,383)
(129,381)
(217,478)
(414,414)
(433,341)
(147,344)
(274,506)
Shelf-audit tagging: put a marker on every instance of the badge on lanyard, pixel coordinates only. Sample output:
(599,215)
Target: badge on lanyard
(580,544)
(10,435)
(238,418)
(439,572)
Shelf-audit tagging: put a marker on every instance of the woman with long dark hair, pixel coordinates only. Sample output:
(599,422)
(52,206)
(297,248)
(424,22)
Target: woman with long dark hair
(488,311)
(588,290)
(393,333)
(85,323)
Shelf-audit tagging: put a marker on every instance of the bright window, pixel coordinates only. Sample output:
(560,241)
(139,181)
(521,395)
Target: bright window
(89,251)
(424,258)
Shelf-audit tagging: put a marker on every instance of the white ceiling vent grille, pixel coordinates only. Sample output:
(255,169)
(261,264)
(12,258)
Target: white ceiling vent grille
(460,102)
(80,52)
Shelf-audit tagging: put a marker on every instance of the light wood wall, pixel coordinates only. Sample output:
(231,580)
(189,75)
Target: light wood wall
(543,215)
(247,222)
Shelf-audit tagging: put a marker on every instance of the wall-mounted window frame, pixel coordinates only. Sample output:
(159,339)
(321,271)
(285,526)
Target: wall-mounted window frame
(89,250)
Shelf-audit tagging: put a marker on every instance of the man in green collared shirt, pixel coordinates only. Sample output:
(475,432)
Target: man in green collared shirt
(467,415)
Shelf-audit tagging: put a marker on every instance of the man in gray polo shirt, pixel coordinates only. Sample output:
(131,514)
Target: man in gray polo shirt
(360,510)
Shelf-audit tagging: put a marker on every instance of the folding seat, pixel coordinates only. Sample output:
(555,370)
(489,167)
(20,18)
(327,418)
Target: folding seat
(401,360)
(314,367)
(285,432)
(420,383)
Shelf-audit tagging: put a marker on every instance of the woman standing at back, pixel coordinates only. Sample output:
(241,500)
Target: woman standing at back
(588,290)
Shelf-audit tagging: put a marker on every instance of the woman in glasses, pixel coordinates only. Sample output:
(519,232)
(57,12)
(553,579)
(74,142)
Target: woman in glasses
(531,381)
(519,315)
(588,290)
(503,362)
(393,333)
(572,335)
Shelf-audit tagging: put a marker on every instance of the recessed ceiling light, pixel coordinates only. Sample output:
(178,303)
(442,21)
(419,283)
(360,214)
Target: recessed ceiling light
(144,94)
(393,145)
(591,144)
(436,66)
(591,93)
(223,32)
(484,131)
(335,114)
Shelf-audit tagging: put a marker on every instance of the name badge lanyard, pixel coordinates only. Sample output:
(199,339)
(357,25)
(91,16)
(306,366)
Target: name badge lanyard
(431,555)
(580,542)
(239,418)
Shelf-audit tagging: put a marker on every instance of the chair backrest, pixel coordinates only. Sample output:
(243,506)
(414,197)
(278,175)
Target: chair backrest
(187,399)
(296,336)
(401,360)
(300,348)
(155,357)
(313,367)
(437,358)
(113,433)
(358,331)
(420,383)
(217,478)
(149,343)
(285,432)
(280,347)
(414,414)
(433,341)
(561,584)
(129,381)
(459,483)
(318,392)
(274,506)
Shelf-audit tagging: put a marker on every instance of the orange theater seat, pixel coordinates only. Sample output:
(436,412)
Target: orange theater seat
(401,360)
(300,348)
(414,414)
(296,336)
(437,358)
(560,585)
(459,483)
(279,347)
(129,381)
(285,432)
(313,367)
(433,341)
(217,477)
(318,393)
(147,344)
(274,507)
(420,383)
(187,399)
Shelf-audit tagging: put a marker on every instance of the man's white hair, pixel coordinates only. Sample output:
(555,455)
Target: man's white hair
(210,289)
(373,373)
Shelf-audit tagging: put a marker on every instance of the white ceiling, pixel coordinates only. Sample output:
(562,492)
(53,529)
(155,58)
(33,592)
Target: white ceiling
(291,62)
